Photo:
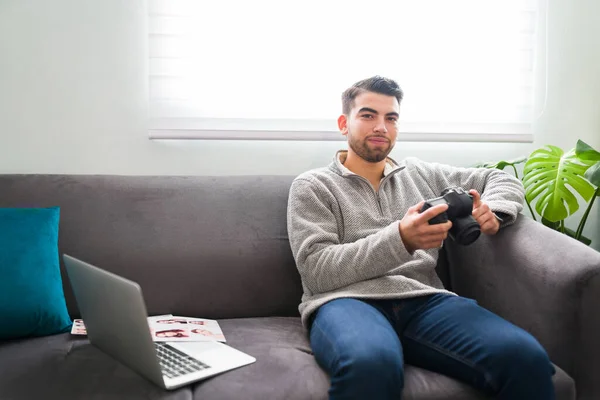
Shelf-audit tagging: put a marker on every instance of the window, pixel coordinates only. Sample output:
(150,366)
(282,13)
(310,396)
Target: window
(267,69)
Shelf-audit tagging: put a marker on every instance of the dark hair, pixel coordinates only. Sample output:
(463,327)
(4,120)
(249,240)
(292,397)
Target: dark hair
(376,84)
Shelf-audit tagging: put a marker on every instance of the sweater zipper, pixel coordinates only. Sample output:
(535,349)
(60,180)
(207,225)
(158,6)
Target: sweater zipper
(376,192)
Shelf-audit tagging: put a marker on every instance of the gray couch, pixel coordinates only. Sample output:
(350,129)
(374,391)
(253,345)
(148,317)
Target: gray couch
(217,247)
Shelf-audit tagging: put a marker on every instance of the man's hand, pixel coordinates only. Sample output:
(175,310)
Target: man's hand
(488,222)
(415,231)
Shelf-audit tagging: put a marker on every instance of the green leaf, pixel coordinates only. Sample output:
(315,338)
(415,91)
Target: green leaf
(501,164)
(549,175)
(517,160)
(585,152)
(593,174)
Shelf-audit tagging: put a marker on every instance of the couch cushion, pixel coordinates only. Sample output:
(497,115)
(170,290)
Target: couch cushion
(216,247)
(32,302)
(286,368)
(61,366)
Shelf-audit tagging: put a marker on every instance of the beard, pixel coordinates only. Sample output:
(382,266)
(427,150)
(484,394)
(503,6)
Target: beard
(367,153)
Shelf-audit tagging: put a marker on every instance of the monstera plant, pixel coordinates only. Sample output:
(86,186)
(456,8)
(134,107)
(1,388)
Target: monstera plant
(552,178)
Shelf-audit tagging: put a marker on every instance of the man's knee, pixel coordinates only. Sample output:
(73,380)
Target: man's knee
(524,353)
(382,365)
(523,366)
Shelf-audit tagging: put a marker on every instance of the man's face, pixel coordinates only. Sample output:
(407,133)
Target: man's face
(372,126)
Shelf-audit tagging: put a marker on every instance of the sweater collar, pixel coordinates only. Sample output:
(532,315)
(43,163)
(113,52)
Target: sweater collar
(340,157)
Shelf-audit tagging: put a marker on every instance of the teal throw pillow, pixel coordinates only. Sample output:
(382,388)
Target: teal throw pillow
(32,301)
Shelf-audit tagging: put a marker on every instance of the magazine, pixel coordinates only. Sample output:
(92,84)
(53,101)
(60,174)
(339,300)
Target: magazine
(170,328)
(185,329)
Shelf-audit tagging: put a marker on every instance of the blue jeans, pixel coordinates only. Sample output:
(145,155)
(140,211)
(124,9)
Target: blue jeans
(363,344)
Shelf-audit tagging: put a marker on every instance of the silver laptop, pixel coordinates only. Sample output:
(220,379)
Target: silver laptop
(115,317)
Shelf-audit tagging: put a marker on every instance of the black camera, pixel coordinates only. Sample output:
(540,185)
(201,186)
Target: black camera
(465,229)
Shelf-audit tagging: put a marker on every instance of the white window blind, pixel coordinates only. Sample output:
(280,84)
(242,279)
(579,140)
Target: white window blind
(267,69)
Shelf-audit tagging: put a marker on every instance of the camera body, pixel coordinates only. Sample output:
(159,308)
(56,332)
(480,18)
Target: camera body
(465,229)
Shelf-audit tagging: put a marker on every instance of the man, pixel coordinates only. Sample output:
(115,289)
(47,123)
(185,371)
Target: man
(367,255)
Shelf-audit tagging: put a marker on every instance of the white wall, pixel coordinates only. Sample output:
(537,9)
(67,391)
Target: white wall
(73,95)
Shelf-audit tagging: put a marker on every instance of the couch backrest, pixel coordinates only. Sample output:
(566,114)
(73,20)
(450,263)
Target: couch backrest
(214,247)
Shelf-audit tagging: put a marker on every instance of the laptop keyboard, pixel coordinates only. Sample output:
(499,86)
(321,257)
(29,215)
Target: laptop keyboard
(174,363)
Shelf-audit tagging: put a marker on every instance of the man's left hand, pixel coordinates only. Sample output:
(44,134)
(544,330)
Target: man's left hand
(488,222)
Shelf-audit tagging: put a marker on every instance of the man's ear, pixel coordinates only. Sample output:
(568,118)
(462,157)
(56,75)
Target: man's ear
(343,124)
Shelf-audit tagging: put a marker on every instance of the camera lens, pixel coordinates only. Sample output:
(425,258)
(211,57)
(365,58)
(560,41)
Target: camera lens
(465,230)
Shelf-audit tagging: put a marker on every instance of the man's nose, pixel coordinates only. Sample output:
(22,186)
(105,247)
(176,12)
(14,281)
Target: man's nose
(380,126)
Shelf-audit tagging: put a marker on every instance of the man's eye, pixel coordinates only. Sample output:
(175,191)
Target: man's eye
(368,116)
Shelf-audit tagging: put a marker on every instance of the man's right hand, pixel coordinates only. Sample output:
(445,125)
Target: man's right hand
(415,231)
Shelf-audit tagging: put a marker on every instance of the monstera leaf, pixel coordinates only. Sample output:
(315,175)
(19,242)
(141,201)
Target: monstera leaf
(586,152)
(549,175)
(593,175)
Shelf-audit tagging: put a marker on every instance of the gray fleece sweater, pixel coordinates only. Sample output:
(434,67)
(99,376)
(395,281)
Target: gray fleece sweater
(344,235)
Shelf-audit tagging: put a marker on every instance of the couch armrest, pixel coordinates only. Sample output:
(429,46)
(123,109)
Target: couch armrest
(544,282)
